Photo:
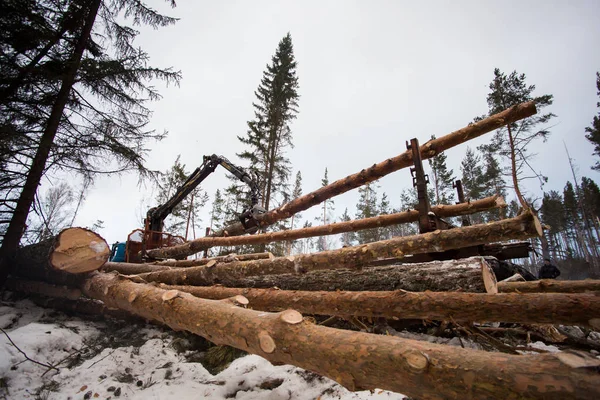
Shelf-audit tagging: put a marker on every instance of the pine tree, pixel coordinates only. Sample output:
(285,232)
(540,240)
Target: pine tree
(178,222)
(553,215)
(573,219)
(347,238)
(513,140)
(473,180)
(326,217)
(593,132)
(217,213)
(367,207)
(296,192)
(442,179)
(269,134)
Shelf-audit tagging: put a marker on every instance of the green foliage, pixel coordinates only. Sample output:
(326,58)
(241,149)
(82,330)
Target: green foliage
(326,217)
(593,131)
(186,214)
(442,179)
(367,207)
(512,142)
(269,133)
(347,238)
(104,125)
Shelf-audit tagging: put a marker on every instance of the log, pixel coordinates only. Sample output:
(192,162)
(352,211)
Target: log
(131,268)
(359,360)
(546,308)
(404,160)
(220,259)
(447,276)
(524,226)
(200,244)
(550,285)
(64,259)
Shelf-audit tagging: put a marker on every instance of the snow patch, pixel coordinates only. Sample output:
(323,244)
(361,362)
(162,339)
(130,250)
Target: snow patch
(98,247)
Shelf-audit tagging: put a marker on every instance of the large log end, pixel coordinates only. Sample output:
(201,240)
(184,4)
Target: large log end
(79,250)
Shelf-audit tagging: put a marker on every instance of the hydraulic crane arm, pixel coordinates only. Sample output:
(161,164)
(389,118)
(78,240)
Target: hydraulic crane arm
(156,216)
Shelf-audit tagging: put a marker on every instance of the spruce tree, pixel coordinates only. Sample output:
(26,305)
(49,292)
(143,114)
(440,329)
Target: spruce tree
(73,99)
(512,142)
(269,133)
(442,179)
(593,132)
(347,238)
(367,207)
(326,217)
(553,214)
(178,222)
(296,192)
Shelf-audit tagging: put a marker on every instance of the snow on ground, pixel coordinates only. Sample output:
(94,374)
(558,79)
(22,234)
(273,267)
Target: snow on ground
(104,360)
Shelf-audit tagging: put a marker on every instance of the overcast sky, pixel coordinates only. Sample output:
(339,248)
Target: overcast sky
(372,75)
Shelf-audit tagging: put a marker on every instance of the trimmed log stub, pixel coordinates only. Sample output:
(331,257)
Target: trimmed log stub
(360,360)
(545,308)
(404,160)
(521,227)
(550,285)
(200,244)
(63,259)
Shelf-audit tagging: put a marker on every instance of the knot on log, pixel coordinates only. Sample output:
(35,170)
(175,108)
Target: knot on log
(416,361)
(291,317)
(577,359)
(266,342)
(170,295)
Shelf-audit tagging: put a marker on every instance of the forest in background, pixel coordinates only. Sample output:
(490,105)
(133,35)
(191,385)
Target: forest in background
(75,97)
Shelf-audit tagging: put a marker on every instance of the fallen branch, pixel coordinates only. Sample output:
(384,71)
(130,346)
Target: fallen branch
(49,366)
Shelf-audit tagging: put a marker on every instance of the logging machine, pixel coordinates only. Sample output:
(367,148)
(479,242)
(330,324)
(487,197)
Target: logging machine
(152,236)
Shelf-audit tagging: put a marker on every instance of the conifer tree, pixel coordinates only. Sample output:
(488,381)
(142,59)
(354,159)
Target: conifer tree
(347,238)
(513,141)
(442,179)
(367,207)
(593,132)
(326,217)
(296,192)
(269,133)
(217,212)
(178,222)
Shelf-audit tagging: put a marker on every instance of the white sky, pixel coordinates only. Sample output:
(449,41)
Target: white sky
(372,75)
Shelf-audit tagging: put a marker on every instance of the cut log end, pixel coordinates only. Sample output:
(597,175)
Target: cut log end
(416,361)
(79,250)
(241,300)
(266,342)
(291,317)
(211,263)
(170,295)
(489,279)
(538,226)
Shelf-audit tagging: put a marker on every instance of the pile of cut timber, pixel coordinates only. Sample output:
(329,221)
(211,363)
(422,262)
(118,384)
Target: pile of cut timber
(254,302)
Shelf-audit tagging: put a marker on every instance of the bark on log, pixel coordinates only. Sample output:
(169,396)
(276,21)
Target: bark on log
(524,226)
(63,259)
(546,308)
(549,285)
(404,160)
(220,259)
(359,360)
(200,244)
(447,276)
(132,269)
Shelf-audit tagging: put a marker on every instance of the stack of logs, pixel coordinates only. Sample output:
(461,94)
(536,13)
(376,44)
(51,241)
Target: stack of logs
(254,302)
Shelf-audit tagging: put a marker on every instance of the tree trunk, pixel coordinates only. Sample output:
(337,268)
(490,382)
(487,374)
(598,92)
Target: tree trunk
(16,227)
(198,245)
(546,308)
(460,275)
(133,269)
(62,259)
(358,360)
(521,227)
(203,261)
(404,160)
(549,285)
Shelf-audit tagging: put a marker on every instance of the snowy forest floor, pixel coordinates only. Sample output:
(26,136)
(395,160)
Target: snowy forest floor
(104,358)
(109,359)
